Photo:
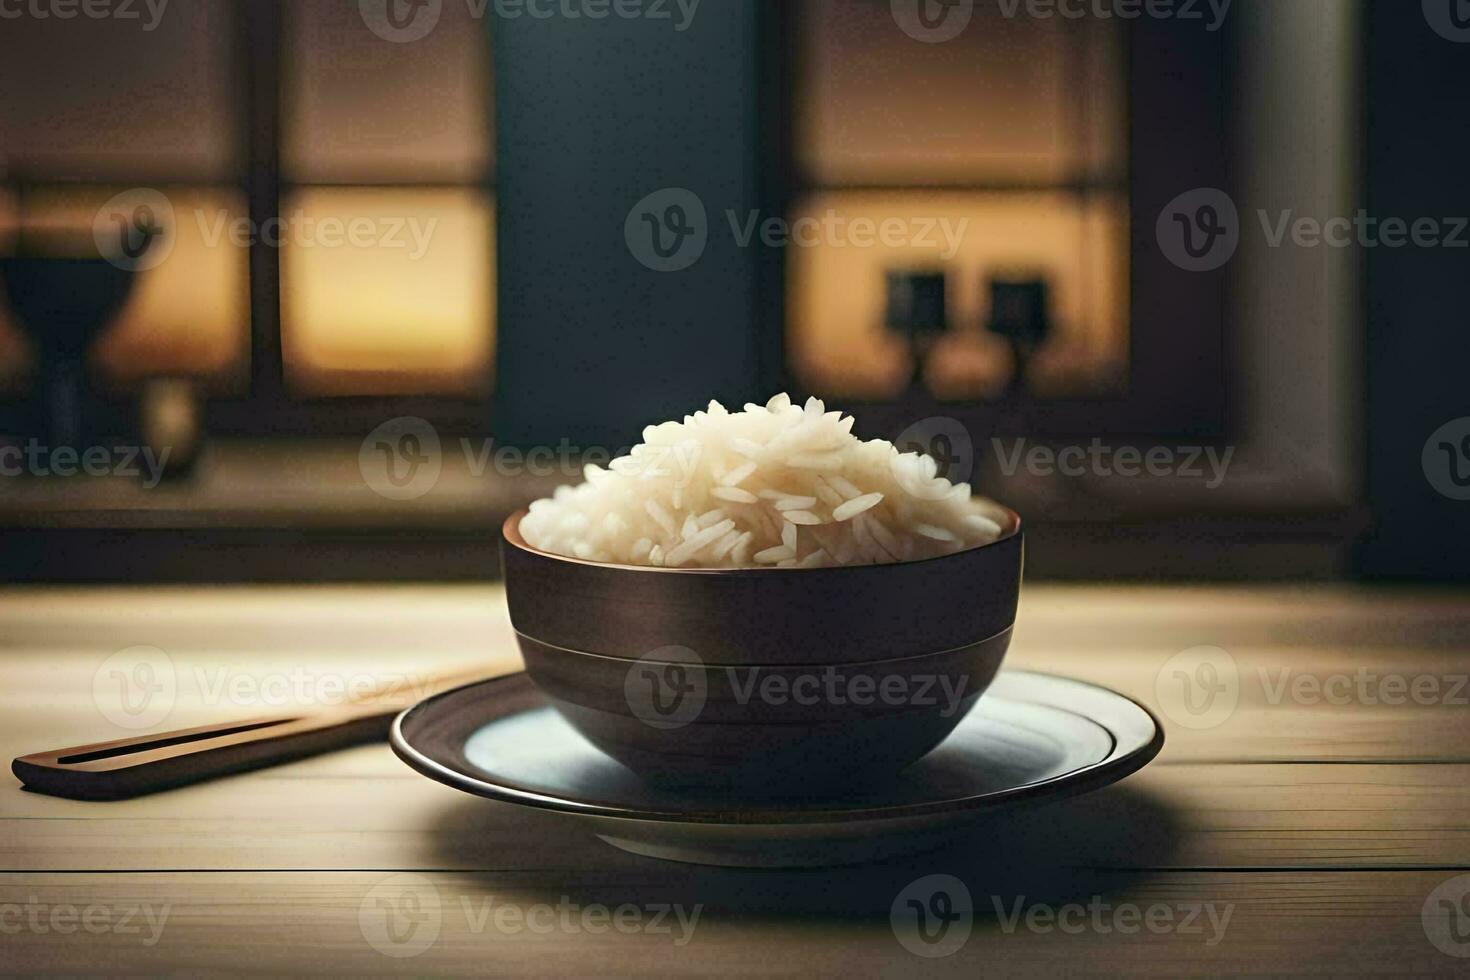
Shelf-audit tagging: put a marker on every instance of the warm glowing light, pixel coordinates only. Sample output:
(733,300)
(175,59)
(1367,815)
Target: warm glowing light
(355,110)
(388,291)
(837,342)
(1022,100)
(188,315)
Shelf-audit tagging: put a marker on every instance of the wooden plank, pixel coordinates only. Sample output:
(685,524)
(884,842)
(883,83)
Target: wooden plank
(1297,704)
(1337,735)
(831,922)
(1324,692)
(362,808)
(1338,617)
(1326,866)
(273,621)
(1340,621)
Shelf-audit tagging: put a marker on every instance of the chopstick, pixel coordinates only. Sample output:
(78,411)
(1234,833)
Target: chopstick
(143,764)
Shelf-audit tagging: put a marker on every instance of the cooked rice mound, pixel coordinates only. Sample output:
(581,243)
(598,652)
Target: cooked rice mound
(776,484)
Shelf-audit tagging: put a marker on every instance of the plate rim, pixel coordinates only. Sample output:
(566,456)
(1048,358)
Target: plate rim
(1119,763)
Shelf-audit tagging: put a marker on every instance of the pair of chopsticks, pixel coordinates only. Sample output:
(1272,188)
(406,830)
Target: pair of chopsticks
(145,764)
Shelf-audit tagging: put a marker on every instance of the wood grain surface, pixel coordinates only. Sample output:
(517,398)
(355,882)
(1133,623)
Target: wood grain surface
(1306,831)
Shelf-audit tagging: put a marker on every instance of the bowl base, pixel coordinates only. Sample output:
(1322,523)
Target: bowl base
(773,760)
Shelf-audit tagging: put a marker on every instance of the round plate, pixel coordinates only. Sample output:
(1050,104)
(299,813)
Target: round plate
(1032,737)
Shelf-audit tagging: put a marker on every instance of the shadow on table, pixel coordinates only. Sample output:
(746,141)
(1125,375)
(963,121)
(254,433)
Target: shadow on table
(1093,845)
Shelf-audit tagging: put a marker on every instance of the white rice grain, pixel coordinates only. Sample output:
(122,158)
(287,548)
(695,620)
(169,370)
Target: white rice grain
(856,506)
(772,555)
(936,533)
(814,461)
(734,495)
(692,545)
(739,473)
(732,489)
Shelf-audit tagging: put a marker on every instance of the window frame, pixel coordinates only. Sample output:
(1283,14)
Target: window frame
(1177,381)
(267,407)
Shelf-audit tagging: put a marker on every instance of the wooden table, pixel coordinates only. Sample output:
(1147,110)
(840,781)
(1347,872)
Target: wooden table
(1300,832)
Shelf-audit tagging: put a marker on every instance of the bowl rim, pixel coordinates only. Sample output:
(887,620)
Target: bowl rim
(510,533)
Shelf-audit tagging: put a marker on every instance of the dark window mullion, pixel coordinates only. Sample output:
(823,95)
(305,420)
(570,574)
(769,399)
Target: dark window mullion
(260,30)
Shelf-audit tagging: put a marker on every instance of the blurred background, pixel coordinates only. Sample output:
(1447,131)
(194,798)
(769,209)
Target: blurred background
(322,290)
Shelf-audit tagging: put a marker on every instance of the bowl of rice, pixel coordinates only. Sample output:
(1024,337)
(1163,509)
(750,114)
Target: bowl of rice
(759,600)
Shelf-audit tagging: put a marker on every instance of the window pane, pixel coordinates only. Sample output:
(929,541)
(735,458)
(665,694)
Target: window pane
(1077,245)
(116,98)
(388,291)
(1026,119)
(1009,100)
(189,313)
(361,109)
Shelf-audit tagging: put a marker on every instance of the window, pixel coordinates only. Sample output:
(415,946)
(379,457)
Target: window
(162,111)
(1004,168)
(329,225)
(395,136)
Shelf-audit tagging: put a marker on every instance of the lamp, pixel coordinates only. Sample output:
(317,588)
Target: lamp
(1019,313)
(916,309)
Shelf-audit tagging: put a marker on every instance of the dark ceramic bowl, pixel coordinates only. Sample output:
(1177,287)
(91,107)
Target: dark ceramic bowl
(771,678)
